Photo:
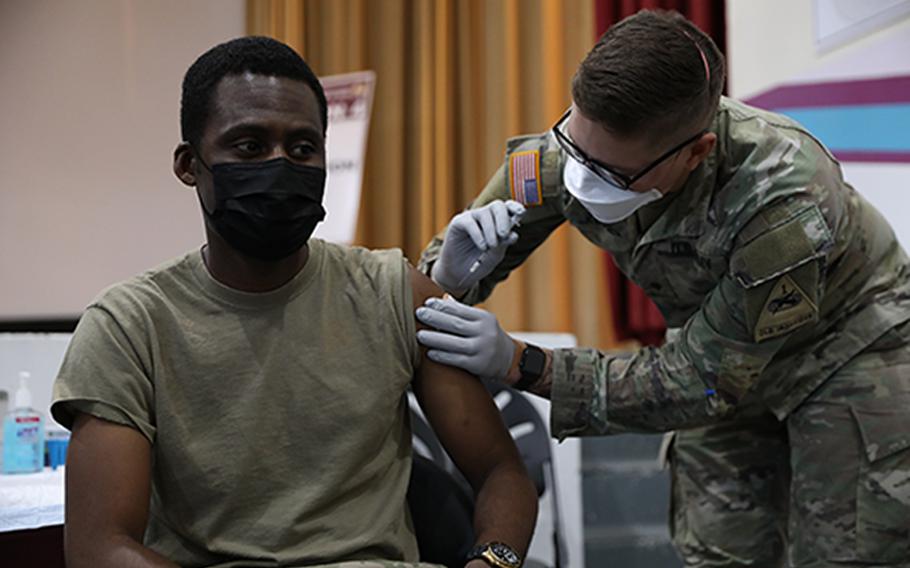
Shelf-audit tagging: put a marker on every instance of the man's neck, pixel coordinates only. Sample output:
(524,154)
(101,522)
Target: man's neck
(241,272)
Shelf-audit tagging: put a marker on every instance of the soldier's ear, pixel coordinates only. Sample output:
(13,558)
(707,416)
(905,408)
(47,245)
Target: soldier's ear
(185,164)
(700,150)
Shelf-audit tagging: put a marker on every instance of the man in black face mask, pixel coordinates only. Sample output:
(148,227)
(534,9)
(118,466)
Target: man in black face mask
(266,210)
(245,404)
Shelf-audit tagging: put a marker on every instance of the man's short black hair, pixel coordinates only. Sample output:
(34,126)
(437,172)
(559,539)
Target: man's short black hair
(257,55)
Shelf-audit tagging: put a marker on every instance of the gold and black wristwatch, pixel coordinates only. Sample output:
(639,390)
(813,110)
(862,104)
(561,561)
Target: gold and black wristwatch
(496,554)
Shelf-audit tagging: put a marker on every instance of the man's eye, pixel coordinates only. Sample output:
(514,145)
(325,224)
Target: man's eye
(248,147)
(303,150)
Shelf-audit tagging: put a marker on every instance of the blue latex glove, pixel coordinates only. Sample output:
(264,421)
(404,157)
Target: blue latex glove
(475,242)
(466,337)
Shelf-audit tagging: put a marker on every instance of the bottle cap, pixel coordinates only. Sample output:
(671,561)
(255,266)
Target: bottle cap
(23,396)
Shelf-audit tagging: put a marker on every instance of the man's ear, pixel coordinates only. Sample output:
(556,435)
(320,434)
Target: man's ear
(700,149)
(185,164)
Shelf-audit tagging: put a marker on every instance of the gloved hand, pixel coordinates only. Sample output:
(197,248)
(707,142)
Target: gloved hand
(476,239)
(466,337)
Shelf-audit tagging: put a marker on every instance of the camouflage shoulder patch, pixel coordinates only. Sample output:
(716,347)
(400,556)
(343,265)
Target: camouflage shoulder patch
(524,177)
(786,308)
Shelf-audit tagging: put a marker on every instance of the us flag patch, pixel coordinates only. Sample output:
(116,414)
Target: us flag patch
(524,177)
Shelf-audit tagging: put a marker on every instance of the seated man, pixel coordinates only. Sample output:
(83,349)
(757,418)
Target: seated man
(245,404)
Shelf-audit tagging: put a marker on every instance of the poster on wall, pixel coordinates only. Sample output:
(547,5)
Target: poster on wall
(350,100)
(838,22)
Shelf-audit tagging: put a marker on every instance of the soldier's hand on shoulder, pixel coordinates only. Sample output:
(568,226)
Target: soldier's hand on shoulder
(465,337)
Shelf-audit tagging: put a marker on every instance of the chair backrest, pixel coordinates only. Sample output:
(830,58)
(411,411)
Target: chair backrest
(528,430)
(522,420)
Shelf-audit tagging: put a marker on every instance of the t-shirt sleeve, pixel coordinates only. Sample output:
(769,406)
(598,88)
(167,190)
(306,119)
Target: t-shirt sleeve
(386,276)
(403,307)
(104,374)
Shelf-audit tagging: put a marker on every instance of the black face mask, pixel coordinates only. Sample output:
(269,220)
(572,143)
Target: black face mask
(267,210)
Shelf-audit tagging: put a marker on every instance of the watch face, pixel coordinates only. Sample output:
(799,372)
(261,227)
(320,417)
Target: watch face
(533,361)
(505,553)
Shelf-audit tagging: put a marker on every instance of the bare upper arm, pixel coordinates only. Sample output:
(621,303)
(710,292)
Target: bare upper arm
(459,408)
(107,483)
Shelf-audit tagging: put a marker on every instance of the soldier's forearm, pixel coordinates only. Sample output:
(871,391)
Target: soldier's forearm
(578,392)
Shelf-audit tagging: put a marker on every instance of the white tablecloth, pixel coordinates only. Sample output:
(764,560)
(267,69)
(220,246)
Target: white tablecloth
(31,500)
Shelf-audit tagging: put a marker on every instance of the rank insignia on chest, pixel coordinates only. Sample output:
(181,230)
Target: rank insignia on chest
(524,178)
(786,308)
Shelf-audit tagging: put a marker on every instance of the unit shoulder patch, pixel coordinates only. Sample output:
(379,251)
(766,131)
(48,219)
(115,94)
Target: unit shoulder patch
(786,308)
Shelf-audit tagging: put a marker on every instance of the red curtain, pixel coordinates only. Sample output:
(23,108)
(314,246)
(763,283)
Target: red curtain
(708,15)
(635,315)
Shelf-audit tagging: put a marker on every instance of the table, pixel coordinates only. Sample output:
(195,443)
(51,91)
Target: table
(31,519)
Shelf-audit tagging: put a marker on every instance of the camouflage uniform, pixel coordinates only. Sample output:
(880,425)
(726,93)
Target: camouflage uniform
(789,291)
(379,564)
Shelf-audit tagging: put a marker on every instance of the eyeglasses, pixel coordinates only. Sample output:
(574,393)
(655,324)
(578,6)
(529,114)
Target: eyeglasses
(603,171)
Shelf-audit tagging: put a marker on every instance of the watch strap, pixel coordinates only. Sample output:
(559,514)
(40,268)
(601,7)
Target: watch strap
(531,365)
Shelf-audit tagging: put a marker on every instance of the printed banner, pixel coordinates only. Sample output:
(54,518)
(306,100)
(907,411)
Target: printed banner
(350,99)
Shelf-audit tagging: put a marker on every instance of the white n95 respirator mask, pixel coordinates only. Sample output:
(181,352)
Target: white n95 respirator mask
(604,201)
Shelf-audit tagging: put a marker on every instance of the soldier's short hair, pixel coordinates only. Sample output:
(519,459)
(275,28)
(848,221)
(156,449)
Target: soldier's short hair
(255,54)
(654,75)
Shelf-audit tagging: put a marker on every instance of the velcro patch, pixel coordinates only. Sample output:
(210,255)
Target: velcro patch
(786,308)
(792,243)
(524,177)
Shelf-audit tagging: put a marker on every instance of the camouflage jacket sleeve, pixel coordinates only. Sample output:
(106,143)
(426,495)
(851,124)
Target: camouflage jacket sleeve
(538,222)
(764,302)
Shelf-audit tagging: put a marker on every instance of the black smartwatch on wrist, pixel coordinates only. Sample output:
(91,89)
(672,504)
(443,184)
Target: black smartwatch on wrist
(496,554)
(532,365)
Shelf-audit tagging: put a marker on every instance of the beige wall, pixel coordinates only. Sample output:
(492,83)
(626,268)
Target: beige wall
(90,96)
(772,41)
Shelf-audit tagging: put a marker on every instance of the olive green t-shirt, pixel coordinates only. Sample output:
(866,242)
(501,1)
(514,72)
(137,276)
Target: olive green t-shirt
(278,421)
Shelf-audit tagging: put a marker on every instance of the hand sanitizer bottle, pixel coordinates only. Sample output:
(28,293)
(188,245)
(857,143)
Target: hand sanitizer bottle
(4,406)
(23,434)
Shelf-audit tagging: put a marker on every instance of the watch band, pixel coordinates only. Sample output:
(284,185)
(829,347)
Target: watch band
(531,366)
